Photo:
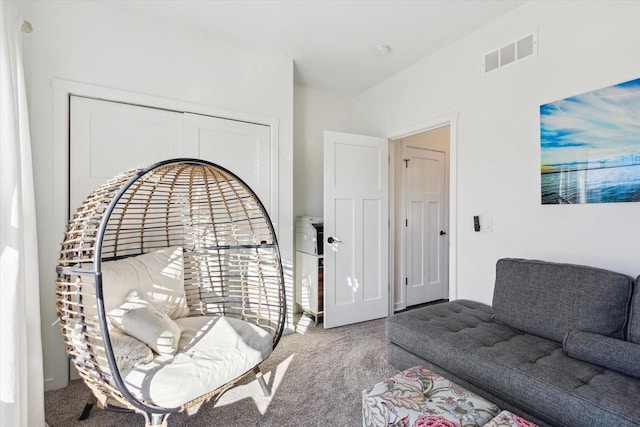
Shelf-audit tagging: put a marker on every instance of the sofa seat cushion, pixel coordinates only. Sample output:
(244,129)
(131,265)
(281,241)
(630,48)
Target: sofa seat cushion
(528,370)
(212,351)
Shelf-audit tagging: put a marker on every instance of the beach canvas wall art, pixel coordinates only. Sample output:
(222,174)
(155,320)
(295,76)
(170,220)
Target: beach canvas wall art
(590,147)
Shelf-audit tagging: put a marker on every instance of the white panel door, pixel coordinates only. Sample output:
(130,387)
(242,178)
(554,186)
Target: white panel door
(243,148)
(356,228)
(425,234)
(107,138)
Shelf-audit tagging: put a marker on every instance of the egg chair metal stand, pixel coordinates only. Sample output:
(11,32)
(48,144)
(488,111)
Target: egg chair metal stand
(232,266)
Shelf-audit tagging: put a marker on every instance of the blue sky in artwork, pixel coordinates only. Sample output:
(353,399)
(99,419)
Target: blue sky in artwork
(596,127)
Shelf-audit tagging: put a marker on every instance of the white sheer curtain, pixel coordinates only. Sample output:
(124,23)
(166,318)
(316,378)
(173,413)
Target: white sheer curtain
(21,372)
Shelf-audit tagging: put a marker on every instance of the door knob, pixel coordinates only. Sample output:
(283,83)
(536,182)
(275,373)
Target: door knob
(442,232)
(332,239)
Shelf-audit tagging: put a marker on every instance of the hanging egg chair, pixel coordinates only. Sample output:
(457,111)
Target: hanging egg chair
(169,288)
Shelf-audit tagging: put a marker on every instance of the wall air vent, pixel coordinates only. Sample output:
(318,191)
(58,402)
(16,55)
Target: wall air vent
(512,52)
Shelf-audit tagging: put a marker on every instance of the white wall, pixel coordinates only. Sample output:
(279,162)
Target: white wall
(582,45)
(92,42)
(315,111)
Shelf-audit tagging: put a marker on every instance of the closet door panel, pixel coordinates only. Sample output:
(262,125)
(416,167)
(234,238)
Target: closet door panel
(243,148)
(107,138)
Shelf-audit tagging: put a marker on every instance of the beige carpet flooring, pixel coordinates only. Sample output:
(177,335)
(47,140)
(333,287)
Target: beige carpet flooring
(316,377)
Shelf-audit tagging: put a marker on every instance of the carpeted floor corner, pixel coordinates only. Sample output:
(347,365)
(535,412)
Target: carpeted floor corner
(316,377)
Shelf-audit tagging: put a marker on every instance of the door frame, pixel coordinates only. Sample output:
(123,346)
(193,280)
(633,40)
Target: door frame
(50,238)
(450,119)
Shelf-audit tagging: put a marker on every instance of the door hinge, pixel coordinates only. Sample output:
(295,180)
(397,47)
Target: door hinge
(406,281)
(406,222)
(406,163)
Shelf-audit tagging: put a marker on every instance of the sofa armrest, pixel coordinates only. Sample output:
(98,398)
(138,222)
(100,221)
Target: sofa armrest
(611,353)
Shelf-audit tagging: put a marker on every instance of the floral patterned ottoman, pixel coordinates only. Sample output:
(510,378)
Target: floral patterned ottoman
(508,419)
(418,397)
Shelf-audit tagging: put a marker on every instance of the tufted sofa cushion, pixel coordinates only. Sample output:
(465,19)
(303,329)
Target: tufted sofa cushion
(549,299)
(528,370)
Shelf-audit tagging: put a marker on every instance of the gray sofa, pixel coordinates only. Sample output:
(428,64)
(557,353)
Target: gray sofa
(560,346)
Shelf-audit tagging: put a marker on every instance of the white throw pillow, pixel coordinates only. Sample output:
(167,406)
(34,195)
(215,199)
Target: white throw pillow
(158,276)
(138,318)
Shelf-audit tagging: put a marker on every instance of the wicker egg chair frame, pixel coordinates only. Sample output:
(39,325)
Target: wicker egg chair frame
(232,264)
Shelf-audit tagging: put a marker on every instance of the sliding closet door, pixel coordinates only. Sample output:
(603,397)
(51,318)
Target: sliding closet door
(106,138)
(109,137)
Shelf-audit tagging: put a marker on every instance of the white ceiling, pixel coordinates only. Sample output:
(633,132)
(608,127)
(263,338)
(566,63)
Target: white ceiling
(333,42)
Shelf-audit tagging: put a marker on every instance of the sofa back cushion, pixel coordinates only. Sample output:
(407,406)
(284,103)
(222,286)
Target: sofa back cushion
(634,316)
(549,299)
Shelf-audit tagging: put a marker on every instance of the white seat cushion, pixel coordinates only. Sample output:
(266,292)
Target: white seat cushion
(212,351)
